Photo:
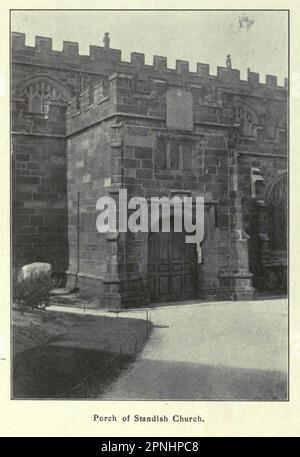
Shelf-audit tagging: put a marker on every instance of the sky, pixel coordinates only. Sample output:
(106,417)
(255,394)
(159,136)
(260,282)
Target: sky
(259,41)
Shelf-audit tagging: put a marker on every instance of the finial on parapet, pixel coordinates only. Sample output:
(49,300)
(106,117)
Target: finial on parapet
(228,62)
(106,40)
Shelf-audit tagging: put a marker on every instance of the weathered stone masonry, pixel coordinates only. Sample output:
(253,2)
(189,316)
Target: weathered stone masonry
(87,126)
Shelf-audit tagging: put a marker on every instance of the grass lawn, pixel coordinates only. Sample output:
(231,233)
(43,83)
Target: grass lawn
(63,355)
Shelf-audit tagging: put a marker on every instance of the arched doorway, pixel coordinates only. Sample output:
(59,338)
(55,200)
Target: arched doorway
(269,238)
(277,211)
(277,222)
(172,267)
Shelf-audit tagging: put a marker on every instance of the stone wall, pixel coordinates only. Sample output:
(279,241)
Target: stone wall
(39,201)
(88,172)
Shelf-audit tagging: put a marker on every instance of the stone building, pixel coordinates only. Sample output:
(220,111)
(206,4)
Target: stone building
(87,126)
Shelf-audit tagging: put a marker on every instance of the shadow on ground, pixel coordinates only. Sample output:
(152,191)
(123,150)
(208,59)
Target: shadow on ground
(59,355)
(65,372)
(191,381)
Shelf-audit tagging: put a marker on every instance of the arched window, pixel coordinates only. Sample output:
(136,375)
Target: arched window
(246,117)
(41,90)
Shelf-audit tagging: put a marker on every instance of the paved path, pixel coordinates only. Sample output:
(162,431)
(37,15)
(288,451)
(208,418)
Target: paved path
(217,351)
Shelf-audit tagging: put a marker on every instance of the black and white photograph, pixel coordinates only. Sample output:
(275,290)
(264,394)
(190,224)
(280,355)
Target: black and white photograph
(149,205)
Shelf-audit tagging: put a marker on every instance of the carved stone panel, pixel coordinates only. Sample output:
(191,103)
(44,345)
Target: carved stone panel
(179,110)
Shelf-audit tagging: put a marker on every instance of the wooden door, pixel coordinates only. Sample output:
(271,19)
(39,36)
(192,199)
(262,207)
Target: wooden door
(172,267)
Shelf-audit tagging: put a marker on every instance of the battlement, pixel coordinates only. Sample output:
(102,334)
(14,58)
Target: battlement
(107,60)
(70,49)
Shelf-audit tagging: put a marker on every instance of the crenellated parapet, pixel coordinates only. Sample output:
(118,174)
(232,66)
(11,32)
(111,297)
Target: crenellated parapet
(105,61)
(70,50)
